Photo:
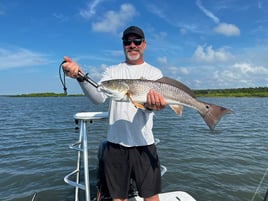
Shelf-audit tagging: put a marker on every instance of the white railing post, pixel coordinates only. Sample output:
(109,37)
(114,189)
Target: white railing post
(82,146)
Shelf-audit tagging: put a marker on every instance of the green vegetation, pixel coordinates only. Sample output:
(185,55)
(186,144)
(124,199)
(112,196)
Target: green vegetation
(239,92)
(47,94)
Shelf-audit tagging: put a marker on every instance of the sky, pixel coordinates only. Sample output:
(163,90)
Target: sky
(205,44)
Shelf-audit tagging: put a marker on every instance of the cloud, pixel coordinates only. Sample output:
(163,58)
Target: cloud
(259,5)
(221,28)
(90,10)
(178,71)
(113,20)
(115,53)
(207,12)
(242,74)
(249,69)
(162,60)
(60,17)
(184,71)
(20,58)
(155,10)
(227,29)
(207,54)
(183,31)
(2,10)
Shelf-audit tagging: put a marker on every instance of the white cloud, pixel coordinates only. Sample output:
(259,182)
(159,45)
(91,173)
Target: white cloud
(178,71)
(20,58)
(183,31)
(95,72)
(155,10)
(221,28)
(241,75)
(91,9)
(60,17)
(184,70)
(259,5)
(227,29)
(208,55)
(249,69)
(162,60)
(207,12)
(113,20)
(2,10)
(116,53)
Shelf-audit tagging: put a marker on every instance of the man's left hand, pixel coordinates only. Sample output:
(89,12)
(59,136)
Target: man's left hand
(155,101)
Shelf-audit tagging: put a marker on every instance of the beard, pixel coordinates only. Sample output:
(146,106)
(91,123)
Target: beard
(133,57)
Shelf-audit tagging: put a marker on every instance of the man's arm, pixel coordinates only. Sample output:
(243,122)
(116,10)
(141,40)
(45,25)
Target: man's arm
(71,69)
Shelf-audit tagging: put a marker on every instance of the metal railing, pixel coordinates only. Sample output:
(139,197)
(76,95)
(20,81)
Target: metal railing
(82,148)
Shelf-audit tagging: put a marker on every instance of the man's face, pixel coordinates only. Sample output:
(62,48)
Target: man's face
(134,49)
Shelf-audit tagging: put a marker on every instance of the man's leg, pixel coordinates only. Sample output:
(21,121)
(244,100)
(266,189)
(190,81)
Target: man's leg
(152,198)
(147,172)
(117,170)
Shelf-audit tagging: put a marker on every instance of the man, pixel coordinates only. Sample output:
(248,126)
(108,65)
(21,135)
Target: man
(130,151)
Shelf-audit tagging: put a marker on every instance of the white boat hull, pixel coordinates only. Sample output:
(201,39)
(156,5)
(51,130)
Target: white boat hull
(170,196)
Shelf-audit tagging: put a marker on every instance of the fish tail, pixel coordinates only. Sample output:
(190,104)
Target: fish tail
(213,113)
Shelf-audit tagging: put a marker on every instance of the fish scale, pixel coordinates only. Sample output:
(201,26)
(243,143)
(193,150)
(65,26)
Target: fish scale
(175,93)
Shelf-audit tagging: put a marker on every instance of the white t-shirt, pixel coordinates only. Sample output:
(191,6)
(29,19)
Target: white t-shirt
(128,126)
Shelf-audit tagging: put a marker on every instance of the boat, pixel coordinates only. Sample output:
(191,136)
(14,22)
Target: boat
(81,173)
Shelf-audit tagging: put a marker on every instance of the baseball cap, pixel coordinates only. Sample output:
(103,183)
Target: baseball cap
(133,30)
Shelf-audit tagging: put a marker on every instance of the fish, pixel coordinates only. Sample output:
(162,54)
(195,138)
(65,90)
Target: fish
(176,94)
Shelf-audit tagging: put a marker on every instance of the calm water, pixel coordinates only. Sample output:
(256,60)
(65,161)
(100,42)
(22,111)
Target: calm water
(227,164)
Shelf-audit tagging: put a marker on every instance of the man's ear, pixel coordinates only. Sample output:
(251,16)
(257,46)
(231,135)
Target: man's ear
(144,43)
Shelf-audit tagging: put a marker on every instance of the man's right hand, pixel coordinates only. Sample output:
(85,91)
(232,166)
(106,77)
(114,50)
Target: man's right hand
(70,68)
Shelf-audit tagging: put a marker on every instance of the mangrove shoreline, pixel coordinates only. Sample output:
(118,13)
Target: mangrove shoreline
(238,92)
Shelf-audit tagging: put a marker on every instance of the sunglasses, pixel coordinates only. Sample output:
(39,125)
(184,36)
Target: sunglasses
(136,41)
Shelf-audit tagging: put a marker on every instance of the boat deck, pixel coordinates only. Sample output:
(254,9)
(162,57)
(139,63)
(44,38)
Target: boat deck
(81,146)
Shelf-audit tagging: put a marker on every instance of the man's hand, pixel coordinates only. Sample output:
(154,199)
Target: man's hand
(70,68)
(155,101)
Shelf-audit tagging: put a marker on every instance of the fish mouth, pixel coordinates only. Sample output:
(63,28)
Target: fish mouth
(108,92)
(101,88)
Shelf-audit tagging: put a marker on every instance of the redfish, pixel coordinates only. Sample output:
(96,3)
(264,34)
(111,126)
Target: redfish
(175,93)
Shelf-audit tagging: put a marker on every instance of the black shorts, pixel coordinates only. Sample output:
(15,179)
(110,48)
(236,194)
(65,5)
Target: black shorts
(140,163)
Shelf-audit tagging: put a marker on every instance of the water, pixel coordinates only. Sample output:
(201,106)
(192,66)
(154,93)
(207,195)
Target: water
(227,164)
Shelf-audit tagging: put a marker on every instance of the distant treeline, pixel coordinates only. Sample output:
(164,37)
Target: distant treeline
(239,92)
(46,94)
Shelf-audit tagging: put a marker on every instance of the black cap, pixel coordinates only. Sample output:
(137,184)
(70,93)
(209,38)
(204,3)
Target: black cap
(133,30)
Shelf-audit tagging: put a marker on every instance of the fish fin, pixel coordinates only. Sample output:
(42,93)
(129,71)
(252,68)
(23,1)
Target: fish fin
(213,114)
(177,109)
(177,84)
(137,105)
